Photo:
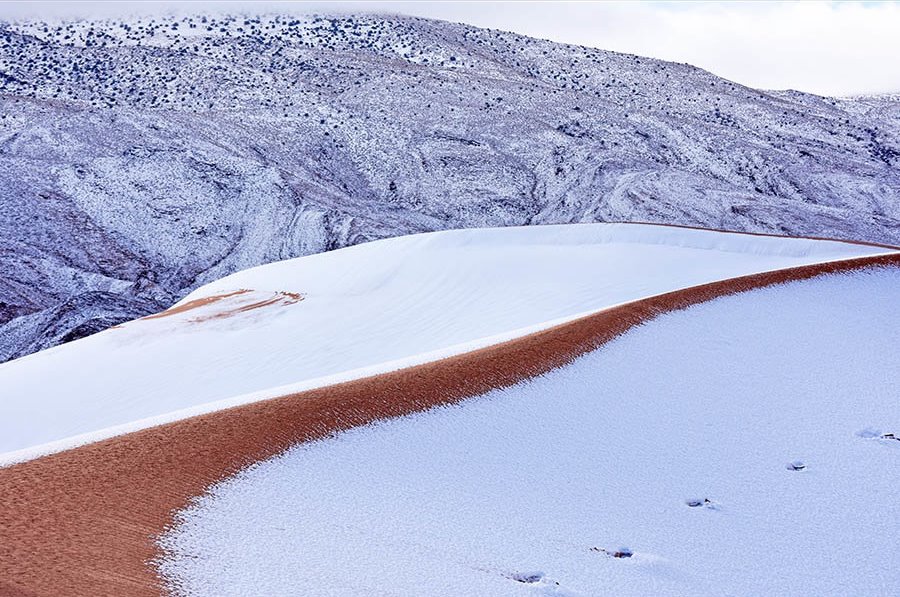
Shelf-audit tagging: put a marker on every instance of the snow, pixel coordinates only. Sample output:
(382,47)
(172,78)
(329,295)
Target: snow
(365,309)
(669,448)
(141,161)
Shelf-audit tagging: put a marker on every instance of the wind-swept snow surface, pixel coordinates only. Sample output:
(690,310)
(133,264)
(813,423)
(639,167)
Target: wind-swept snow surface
(380,306)
(740,447)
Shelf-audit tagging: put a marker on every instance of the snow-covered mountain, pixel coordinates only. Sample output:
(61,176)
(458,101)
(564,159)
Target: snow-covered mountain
(142,159)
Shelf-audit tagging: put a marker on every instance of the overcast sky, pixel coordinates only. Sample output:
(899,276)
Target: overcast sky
(830,48)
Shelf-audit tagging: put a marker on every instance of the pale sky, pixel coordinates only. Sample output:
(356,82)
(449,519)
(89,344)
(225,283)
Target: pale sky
(830,48)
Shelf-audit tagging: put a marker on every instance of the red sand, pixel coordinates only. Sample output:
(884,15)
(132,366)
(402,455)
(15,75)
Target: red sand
(195,304)
(83,522)
(279,298)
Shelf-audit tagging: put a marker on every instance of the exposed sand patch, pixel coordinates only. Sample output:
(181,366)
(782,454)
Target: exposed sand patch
(247,301)
(239,307)
(83,522)
(195,304)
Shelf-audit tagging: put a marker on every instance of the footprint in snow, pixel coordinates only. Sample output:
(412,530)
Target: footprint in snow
(621,553)
(528,578)
(541,584)
(701,503)
(871,433)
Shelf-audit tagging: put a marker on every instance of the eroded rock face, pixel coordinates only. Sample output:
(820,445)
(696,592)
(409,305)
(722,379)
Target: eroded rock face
(141,159)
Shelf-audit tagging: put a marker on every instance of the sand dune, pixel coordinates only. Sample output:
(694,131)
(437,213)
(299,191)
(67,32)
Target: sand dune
(84,521)
(367,309)
(739,447)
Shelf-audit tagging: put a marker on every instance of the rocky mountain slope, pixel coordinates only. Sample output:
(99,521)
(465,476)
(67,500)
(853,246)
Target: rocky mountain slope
(141,159)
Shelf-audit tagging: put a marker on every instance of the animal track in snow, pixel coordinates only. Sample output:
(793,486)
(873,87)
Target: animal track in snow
(527,577)
(621,553)
(871,433)
(701,503)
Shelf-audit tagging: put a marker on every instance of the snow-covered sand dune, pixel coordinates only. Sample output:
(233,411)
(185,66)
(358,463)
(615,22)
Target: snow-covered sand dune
(739,447)
(376,307)
(83,521)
